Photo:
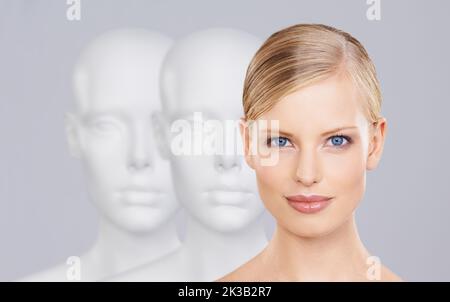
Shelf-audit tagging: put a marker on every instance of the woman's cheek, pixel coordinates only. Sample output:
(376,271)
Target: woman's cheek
(268,176)
(346,173)
(274,179)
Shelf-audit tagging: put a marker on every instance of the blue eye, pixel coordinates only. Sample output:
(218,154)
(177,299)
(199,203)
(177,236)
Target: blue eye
(278,141)
(338,140)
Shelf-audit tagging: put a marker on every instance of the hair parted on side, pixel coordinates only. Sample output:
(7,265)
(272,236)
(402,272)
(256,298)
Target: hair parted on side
(303,54)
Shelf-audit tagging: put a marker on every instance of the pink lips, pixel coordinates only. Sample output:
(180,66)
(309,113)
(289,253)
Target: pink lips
(309,204)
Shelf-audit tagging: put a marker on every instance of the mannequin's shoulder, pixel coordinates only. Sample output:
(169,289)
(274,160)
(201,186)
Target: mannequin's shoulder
(171,267)
(57,273)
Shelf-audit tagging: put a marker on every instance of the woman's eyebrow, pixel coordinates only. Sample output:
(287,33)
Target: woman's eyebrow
(338,129)
(287,134)
(276,132)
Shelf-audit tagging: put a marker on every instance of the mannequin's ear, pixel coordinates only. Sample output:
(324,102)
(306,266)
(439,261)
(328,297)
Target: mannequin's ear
(376,143)
(72,134)
(244,128)
(161,134)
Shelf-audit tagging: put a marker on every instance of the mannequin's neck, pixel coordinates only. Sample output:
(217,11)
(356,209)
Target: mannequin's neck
(216,253)
(339,255)
(117,250)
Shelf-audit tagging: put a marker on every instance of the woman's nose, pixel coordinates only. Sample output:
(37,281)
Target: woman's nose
(307,170)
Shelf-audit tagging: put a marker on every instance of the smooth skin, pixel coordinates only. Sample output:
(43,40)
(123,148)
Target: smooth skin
(322,246)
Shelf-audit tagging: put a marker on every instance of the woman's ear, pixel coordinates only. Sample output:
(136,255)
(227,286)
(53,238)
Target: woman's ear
(245,135)
(160,126)
(376,143)
(72,134)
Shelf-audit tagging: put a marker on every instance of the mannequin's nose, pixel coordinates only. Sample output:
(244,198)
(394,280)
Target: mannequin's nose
(140,152)
(227,162)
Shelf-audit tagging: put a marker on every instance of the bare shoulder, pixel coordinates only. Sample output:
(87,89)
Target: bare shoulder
(252,271)
(388,276)
(245,272)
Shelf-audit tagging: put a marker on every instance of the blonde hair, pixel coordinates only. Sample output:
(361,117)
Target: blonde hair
(299,55)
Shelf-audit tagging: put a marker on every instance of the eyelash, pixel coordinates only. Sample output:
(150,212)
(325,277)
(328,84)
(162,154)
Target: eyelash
(347,138)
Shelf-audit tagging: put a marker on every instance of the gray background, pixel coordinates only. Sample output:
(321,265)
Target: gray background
(44,212)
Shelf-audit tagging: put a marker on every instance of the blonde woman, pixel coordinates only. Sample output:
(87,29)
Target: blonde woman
(312,105)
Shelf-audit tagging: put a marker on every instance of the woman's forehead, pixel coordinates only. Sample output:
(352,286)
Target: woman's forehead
(317,109)
(335,98)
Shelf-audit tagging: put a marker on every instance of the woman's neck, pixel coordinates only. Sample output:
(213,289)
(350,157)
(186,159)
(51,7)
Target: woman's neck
(337,256)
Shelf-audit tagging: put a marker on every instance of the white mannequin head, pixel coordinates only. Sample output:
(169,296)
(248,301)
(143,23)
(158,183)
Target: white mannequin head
(116,85)
(204,72)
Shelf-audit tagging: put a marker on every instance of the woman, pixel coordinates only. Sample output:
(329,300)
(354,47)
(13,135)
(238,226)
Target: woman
(312,106)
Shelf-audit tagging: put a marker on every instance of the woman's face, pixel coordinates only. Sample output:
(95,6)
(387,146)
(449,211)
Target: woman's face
(313,158)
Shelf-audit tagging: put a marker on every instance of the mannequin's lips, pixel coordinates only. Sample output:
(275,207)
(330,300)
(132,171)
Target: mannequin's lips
(309,204)
(140,197)
(231,197)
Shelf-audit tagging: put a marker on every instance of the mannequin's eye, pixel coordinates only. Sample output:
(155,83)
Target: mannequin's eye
(278,141)
(105,125)
(340,141)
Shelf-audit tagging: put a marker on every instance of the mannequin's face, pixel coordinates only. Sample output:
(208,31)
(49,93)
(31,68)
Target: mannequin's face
(312,161)
(128,181)
(219,191)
